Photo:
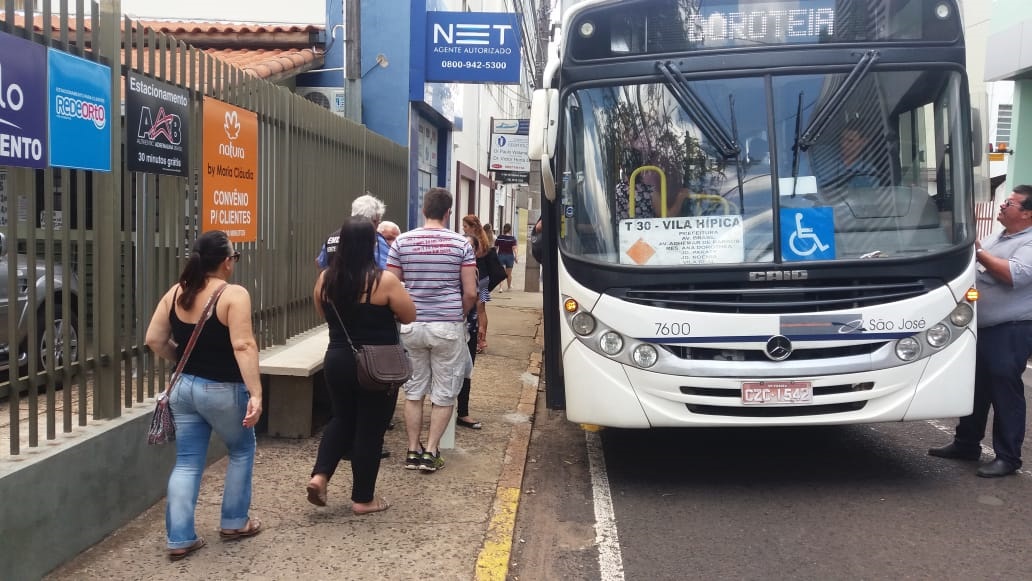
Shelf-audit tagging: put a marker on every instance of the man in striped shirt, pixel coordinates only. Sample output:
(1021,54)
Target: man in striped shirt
(439,270)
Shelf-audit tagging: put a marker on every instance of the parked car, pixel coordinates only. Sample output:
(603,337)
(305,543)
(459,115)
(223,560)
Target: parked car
(21,309)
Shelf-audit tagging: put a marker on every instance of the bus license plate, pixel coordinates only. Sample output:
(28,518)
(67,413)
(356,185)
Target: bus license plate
(777,393)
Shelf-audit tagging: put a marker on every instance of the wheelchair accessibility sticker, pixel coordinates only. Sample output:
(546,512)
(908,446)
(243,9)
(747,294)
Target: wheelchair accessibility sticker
(807,234)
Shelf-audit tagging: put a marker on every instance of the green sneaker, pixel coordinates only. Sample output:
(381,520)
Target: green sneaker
(413,459)
(431,462)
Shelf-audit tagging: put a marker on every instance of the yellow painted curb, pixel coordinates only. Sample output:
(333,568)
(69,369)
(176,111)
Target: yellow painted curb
(493,562)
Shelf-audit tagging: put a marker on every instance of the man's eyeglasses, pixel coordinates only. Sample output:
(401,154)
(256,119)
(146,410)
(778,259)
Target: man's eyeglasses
(235,256)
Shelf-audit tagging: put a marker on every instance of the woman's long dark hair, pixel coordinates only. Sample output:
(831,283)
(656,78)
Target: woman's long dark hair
(352,268)
(209,251)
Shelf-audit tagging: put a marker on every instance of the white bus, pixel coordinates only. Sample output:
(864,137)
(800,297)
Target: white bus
(758,213)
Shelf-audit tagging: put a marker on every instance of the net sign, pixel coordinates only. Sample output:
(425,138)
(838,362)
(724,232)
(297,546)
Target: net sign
(473,47)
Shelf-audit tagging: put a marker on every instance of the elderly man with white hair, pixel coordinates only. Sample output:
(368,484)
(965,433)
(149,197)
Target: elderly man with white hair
(389,230)
(370,207)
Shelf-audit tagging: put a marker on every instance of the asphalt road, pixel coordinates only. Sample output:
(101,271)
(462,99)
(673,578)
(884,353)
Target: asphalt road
(845,502)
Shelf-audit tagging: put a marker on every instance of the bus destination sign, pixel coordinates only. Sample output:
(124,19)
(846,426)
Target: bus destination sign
(764,23)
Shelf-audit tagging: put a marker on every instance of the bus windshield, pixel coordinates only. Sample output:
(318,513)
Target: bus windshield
(695,171)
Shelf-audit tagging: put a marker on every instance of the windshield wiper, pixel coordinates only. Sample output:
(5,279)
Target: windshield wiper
(709,126)
(738,157)
(834,103)
(795,146)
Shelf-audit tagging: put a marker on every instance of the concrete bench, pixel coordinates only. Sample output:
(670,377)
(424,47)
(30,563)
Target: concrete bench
(291,371)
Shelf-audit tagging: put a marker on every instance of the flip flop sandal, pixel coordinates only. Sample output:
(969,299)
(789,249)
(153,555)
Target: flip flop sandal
(177,554)
(468,424)
(254,526)
(381,505)
(316,495)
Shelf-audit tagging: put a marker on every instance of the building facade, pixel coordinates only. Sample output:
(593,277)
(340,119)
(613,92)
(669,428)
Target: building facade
(1009,58)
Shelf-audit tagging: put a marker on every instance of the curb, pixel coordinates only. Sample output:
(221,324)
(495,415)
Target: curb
(493,560)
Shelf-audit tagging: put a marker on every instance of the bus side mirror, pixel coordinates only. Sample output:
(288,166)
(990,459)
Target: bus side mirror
(544,123)
(3,244)
(977,140)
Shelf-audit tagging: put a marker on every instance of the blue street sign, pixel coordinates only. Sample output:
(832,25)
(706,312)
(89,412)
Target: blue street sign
(23,102)
(807,234)
(473,47)
(80,112)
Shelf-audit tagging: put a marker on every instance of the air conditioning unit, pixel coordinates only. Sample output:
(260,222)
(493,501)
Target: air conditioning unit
(332,98)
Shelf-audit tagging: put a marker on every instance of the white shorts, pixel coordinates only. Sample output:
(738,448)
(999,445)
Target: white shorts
(439,360)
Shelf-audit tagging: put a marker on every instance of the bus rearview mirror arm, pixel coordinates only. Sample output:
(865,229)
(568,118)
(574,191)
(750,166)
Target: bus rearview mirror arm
(977,139)
(547,178)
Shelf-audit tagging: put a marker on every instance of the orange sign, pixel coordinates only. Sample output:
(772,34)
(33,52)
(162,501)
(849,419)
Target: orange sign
(230,183)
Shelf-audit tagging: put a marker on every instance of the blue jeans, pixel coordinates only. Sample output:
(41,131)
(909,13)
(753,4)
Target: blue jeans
(200,405)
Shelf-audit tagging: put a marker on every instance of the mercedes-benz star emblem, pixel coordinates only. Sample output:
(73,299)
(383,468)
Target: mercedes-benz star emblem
(778,348)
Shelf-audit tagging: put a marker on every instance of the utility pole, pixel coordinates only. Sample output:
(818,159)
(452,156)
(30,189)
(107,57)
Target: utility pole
(353,58)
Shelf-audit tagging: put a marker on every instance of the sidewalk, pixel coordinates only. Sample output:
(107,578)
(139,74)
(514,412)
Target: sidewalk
(453,524)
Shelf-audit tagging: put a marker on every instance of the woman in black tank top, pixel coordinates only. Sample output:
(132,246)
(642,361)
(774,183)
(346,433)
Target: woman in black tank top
(218,390)
(370,302)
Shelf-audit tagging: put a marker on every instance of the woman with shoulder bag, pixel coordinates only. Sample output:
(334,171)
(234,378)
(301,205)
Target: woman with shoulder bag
(218,389)
(362,305)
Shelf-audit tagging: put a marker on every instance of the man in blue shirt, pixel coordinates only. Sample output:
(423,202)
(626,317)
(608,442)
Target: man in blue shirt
(370,207)
(1004,282)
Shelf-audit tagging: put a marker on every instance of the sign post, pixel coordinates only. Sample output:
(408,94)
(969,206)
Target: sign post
(510,141)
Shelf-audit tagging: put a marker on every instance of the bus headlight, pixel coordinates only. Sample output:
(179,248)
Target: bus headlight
(962,315)
(938,335)
(583,323)
(908,349)
(644,355)
(610,343)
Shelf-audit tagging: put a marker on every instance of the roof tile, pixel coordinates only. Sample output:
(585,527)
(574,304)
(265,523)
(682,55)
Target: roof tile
(258,62)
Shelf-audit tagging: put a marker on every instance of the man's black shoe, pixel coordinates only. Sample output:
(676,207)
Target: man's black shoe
(996,469)
(955,452)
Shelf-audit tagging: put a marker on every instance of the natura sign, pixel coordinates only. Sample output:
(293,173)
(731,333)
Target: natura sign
(229,142)
(473,47)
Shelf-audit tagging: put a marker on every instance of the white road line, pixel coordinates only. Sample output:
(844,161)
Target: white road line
(610,562)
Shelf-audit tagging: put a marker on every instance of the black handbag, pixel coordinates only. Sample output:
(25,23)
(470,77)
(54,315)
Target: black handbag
(380,368)
(163,426)
(495,271)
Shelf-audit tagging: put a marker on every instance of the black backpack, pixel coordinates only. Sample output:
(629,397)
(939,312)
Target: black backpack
(537,242)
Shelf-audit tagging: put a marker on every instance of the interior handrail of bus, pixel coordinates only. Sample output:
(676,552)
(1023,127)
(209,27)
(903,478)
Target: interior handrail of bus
(834,103)
(678,86)
(632,193)
(728,207)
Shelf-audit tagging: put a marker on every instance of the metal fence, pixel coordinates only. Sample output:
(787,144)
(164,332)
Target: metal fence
(107,245)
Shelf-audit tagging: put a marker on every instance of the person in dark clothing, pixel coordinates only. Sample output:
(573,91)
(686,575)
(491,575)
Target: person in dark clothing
(361,301)
(507,246)
(1004,342)
(219,389)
